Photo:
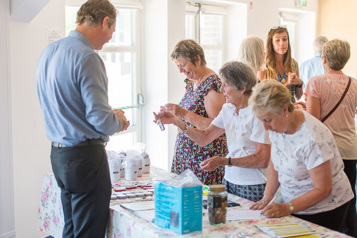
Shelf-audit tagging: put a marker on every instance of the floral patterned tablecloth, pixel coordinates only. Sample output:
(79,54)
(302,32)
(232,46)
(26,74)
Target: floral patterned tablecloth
(123,223)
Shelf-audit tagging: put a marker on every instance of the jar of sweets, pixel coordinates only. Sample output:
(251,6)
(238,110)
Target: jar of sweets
(217,204)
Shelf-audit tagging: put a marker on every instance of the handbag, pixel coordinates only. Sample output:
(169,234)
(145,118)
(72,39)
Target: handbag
(339,102)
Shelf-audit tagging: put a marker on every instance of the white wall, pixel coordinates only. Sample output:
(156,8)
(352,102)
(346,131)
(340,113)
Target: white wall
(23,135)
(7,214)
(265,14)
(164,26)
(31,149)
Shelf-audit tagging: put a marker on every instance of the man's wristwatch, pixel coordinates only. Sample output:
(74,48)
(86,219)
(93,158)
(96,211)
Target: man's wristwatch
(291,207)
(229,162)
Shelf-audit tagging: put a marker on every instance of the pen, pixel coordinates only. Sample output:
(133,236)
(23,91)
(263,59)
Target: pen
(271,201)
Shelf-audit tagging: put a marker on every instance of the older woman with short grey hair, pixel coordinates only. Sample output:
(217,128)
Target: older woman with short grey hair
(305,161)
(323,92)
(248,143)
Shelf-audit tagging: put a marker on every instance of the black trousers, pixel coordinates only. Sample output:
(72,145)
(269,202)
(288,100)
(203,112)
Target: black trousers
(82,173)
(350,227)
(333,219)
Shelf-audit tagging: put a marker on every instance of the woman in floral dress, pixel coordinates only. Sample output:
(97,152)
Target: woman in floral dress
(200,104)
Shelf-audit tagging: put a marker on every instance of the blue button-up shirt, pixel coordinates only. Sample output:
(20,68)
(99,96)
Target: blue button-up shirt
(310,68)
(72,88)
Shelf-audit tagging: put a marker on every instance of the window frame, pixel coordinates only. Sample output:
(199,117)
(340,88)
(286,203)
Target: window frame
(135,49)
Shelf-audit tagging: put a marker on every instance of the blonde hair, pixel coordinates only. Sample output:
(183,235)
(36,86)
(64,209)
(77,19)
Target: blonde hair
(337,53)
(189,49)
(270,96)
(251,52)
(93,13)
(270,58)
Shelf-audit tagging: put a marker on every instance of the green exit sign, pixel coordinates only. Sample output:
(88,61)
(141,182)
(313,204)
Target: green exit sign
(303,3)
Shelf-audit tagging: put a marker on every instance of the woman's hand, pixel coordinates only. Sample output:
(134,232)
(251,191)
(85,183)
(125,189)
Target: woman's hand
(271,210)
(261,204)
(165,117)
(175,109)
(276,210)
(300,105)
(293,79)
(213,163)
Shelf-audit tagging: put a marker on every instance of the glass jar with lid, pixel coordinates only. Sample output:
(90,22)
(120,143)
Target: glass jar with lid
(217,204)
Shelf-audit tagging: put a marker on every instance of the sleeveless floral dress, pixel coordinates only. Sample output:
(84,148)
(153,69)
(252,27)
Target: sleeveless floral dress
(189,155)
(283,78)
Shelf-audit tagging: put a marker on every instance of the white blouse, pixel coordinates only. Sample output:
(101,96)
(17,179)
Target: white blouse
(295,154)
(242,131)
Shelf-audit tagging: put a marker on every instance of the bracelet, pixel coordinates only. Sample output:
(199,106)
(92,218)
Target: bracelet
(229,162)
(298,86)
(186,129)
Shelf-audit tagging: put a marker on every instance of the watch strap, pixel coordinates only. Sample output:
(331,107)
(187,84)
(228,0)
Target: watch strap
(291,207)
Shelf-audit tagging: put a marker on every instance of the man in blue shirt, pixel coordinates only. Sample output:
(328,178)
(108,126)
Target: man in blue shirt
(72,90)
(313,67)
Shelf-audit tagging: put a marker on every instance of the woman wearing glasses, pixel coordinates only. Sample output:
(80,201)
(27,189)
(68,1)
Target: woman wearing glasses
(323,92)
(200,104)
(280,66)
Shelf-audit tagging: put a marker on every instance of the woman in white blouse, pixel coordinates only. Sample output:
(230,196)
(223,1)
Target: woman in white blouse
(247,141)
(306,163)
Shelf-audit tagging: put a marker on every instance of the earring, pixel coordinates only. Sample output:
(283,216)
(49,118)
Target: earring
(286,115)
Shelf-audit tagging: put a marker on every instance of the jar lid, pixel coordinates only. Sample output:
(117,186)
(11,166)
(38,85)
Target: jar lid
(217,188)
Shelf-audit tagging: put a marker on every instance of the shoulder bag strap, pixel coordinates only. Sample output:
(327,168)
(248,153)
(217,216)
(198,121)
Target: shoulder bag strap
(339,102)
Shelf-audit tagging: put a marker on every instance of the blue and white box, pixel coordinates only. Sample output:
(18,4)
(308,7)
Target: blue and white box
(178,207)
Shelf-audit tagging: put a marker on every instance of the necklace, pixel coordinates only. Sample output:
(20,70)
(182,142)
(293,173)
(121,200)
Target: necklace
(282,78)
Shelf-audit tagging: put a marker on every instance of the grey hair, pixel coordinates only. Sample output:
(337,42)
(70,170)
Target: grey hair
(318,43)
(337,53)
(238,75)
(251,52)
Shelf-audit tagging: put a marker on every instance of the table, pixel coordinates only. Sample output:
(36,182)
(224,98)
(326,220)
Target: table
(123,223)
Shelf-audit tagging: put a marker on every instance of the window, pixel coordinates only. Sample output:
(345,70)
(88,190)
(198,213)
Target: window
(204,24)
(121,58)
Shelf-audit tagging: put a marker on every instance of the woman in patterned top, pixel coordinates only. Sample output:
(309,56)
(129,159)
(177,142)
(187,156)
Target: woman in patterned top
(323,92)
(305,161)
(248,143)
(280,66)
(201,103)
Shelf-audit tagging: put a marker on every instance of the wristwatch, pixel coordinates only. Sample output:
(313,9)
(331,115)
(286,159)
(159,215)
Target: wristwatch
(291,207)
(229,162)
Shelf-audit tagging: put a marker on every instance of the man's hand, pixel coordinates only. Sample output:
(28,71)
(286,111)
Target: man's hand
(123,121)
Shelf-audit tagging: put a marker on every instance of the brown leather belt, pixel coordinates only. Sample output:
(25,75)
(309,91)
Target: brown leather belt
(83,143)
